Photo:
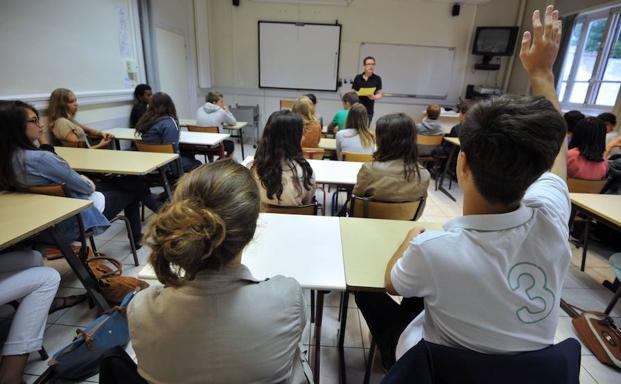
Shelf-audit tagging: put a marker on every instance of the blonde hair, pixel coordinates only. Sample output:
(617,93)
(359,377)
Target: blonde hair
(210,219)
(57,106)
(304,107)
(358,119)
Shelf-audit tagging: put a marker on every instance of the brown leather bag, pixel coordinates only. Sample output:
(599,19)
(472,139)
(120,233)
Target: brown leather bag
(109,274)
(598,333)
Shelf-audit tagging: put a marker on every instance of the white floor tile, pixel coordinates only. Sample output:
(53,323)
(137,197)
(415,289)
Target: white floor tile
(603,374)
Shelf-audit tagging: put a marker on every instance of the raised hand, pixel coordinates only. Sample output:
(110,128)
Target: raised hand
(539,50)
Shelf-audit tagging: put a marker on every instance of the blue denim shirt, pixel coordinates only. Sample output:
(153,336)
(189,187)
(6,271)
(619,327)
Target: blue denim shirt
(163,131)
(34,168)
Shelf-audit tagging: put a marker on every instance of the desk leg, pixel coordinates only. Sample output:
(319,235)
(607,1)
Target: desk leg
(78,267)
(448,162)
(585,243)
(162,172)
(343,319)
(241,141)
(117,144)
(317,347)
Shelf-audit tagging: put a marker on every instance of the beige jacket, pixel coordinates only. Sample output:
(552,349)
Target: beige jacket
(293,192)
(63,127)
(385,181)
(223,327)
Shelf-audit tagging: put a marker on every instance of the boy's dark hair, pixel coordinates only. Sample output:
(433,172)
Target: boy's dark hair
(572,118)
(350,97)
(364,61)
(312,98)
(140,90)
(463,106)
(590,138)
(608,117)
(433,111)
(509,142)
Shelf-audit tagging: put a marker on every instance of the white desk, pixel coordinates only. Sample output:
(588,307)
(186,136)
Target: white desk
(330,171)
(281,246)
(185,137)
(186,122)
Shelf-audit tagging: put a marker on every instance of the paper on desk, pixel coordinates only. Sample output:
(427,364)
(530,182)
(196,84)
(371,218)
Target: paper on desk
(366,91)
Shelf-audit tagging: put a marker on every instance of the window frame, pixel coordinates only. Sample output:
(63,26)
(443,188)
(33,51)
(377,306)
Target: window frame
(611,30)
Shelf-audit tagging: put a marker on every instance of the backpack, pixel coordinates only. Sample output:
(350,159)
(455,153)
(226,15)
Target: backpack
(81,358)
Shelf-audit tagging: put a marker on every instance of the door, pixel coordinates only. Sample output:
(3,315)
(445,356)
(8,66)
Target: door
(173,70)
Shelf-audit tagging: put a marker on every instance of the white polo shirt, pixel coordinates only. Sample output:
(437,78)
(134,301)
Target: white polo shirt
(491,283)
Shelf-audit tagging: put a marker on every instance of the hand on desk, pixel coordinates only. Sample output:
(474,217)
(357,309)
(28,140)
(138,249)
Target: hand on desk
(413,233)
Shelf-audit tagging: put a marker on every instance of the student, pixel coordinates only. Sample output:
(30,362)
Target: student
(283,175)
(394,174)
(229,327)
(585,158)
(313,100)
(340,117)
(303,106)
(430,126)
(142,96)
(357,137)
(63,105)
(491,280)
(214,113)
(446,148)
(611,122)
(572,118)
(23,277)
(26,165)
(159,125)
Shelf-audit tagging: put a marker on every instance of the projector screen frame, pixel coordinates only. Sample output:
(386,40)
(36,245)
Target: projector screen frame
(338,61)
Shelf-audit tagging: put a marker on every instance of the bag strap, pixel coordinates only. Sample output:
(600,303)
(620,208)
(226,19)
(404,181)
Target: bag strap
(572,310)
(117,264)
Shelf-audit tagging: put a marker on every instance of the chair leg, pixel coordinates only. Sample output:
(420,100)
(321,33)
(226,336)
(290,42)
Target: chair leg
(612,303)
(585,244)
(91,239)
(43,354)
(142,212)
(370,361)
(130,236)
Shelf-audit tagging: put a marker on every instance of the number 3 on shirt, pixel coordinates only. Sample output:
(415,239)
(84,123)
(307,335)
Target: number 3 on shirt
(531,279)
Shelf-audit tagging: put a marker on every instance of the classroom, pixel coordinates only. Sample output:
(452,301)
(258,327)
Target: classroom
(310,191)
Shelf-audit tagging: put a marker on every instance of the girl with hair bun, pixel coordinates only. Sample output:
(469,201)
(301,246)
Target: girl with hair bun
(212,321)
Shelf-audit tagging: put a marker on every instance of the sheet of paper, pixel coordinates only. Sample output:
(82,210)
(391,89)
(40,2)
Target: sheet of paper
(366,91)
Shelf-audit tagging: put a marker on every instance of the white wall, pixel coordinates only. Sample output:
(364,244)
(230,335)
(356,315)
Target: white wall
(234,50)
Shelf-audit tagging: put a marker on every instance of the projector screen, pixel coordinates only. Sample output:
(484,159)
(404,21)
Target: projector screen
(299,55)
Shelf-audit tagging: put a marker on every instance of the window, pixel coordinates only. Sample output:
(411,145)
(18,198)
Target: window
(591,72)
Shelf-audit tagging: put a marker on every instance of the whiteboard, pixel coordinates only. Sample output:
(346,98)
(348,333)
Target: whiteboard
(412,70)
(81,45)
(299,55)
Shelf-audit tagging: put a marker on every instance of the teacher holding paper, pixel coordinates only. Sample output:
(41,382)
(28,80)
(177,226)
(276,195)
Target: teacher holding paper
(368,85)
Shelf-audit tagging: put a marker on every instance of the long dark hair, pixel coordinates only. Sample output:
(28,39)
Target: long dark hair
(161,105)
(281,144)
(13,137)
(590,138)
(395,135)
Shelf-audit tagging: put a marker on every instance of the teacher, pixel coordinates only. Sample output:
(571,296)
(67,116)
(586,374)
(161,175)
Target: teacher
(368,85)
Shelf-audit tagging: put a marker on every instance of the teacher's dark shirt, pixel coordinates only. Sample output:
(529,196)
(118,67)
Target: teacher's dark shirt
(373,81)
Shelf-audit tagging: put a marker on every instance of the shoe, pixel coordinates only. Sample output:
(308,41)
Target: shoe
(66,302)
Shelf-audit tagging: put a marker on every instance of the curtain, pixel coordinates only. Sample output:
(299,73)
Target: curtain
(568,25)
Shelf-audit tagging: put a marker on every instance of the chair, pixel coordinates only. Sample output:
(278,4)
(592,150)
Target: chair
(206,151)
(73,144)
(60,191)
(356,157)
(428,141)
(313,153)
(428,363)
(585,186)
(365,207)
(308,209)
(286,104)
(159,148)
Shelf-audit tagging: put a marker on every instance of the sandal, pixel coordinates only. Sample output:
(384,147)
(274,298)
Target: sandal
(66,302)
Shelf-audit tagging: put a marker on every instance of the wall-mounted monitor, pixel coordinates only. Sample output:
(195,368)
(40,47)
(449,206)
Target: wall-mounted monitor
(494,41)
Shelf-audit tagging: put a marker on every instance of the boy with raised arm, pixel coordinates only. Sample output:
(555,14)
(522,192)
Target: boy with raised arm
(492,279)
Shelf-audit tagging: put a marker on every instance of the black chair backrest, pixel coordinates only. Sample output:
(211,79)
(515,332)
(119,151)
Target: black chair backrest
(428,363)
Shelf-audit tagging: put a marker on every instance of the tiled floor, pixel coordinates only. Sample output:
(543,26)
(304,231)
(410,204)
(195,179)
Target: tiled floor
(582,289)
